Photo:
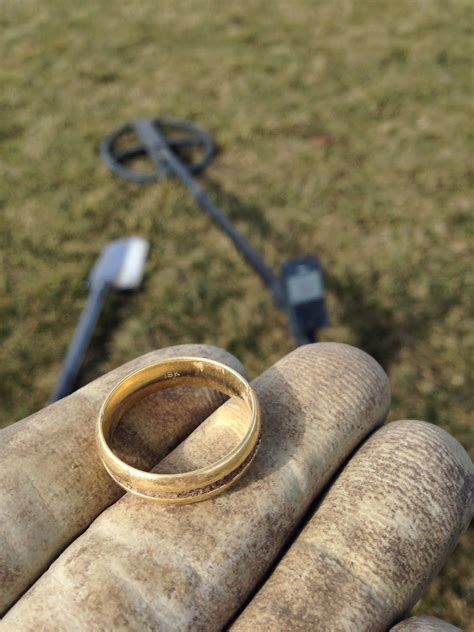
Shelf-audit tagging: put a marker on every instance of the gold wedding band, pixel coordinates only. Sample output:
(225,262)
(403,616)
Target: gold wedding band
(186,487)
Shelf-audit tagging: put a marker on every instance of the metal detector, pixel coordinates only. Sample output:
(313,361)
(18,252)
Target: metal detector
(178,148)
(120,266)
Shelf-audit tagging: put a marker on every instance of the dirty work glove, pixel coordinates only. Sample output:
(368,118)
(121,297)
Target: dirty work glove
(386,525)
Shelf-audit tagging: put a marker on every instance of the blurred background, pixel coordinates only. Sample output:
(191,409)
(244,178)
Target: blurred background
(345,131)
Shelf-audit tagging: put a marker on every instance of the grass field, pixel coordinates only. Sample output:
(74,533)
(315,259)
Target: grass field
(345,130)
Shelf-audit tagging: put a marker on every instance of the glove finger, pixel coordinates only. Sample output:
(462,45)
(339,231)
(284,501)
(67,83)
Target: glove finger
(190,567)
(384,529)
(424,624)
(52,484)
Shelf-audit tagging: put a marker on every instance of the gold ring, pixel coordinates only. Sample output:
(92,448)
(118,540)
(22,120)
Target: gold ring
(184,487)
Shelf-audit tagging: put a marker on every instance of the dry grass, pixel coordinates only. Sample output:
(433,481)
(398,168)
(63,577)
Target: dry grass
(345,130)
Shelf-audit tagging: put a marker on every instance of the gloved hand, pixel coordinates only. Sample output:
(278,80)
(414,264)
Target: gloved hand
(384,527)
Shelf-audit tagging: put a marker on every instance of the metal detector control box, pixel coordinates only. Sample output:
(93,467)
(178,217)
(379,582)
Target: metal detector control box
(303,289)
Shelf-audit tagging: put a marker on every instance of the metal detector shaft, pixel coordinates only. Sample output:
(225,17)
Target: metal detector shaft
(80,342)
(163,157)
